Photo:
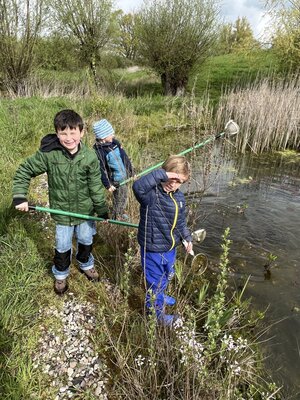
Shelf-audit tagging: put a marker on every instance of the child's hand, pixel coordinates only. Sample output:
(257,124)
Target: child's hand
(188,247)
(172,175)
(22,206)
(105,217)
(112,188)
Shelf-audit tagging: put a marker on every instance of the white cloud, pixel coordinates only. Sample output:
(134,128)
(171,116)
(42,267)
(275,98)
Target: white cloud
(128,5)
(230,11)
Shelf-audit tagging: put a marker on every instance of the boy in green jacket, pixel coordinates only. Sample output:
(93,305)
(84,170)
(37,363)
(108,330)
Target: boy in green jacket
(73,185)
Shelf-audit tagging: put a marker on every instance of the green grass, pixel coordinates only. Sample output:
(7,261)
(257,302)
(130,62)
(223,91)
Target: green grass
(24,279)
(212,78)
(224,72)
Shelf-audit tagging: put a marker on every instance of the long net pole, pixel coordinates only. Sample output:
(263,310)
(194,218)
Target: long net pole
(197,146)
(82,216)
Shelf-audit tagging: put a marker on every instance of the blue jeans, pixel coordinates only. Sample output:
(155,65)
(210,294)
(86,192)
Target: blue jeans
(158,270)
(83,233)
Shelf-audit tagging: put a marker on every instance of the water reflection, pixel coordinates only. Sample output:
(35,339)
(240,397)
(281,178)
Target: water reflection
(259,199)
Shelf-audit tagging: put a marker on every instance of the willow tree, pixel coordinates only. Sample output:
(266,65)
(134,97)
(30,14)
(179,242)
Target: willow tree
(20,26)
(89,22)
(175,35)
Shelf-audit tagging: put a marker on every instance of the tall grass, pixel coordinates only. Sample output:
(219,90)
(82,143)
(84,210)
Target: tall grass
(23,279)
(267,112)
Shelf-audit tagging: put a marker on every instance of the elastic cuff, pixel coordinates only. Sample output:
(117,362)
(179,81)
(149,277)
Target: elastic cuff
(87,265)
(86,268)
(19,200)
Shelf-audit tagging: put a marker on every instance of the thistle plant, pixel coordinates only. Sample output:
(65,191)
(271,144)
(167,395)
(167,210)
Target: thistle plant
(217,304)
(152,336)
(125,276)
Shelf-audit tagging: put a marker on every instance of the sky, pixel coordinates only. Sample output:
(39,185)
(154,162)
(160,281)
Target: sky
(230,11)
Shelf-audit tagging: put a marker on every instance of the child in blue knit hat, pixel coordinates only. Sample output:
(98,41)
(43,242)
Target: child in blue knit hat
(115,165)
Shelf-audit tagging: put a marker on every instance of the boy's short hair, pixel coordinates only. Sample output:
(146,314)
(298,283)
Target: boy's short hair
(67,118)
(178,164)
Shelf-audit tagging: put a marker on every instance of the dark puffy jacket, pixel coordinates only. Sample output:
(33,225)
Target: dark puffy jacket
(118,167)
(162,215)
(74,182)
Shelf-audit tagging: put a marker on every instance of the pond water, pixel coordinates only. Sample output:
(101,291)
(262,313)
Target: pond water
(259,199)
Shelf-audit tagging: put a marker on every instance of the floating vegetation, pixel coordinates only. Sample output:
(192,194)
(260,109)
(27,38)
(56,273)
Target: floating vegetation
(240,181)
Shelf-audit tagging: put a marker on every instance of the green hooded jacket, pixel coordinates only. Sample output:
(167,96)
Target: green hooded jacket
(74,182)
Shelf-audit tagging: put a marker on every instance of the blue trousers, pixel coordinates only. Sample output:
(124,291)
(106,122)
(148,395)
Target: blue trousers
(83,233)
(158,269)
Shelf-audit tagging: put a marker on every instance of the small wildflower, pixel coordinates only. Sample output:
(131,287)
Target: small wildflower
(190,348)
(140,360)
(178,323)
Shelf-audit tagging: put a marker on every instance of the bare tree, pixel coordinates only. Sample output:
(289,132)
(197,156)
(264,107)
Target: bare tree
(174,36)
(89,22)
(20,25)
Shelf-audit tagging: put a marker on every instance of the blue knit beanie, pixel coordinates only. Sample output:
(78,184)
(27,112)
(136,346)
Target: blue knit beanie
(102,129)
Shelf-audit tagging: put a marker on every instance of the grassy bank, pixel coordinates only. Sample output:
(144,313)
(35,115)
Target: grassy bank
(210,79)
(213,354)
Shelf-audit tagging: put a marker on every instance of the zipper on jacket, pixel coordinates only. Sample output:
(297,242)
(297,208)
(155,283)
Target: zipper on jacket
(174,222)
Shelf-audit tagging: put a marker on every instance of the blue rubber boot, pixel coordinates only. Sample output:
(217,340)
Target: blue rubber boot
(167,319)
(169,300)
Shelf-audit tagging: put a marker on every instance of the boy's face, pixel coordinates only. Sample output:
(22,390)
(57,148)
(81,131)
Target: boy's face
(70,138)
(108,139)
(173,184)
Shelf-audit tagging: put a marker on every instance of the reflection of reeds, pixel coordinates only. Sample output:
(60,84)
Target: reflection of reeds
(267,112)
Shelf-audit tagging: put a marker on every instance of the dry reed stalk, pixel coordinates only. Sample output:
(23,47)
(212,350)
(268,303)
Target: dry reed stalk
(36,86)
(267,113)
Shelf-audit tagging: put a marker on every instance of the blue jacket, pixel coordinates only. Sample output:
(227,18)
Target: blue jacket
(162,215)
(114,163)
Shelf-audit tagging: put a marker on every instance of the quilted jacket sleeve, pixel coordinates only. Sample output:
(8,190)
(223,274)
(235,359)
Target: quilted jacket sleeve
(103,167)
(182,227)
(31,167)
(127,162)
(95,187)
(143,187)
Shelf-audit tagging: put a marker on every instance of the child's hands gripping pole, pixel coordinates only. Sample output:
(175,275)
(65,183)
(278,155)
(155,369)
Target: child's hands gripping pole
(188,247)
(23,206)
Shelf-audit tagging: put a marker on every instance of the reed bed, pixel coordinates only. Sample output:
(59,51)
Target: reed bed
(267,112)
(47,88)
